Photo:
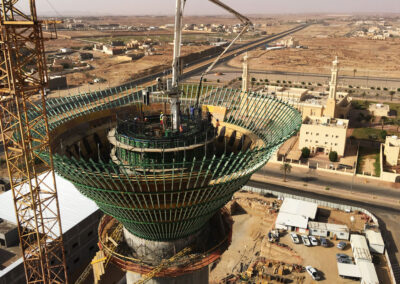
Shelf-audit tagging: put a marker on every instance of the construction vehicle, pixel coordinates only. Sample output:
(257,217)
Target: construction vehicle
(32,177)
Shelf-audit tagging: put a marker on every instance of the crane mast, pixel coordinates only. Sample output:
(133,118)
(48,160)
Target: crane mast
(23,77)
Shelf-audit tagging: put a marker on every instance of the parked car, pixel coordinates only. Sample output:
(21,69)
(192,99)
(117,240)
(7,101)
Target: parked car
(341,245)
(345,260)
(295,238)
(305,240)
(313,272)
(324,242)
(342,255)
(313,240)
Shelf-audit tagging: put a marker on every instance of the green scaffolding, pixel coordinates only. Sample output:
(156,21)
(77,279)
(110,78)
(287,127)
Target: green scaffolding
(167,200)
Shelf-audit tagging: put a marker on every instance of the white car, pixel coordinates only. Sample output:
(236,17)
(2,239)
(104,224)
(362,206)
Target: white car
(305,240)
(313,240)
(313,272)
(295,238)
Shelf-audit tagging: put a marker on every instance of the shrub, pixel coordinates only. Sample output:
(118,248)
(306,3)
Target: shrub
(333,156)
(305,153)
(372,88)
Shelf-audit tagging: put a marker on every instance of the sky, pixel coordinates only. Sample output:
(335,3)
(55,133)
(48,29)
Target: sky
(204,7)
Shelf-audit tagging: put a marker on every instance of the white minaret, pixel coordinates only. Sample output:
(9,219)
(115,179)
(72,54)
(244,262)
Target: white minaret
(334,77)
(331,102)
(245,75)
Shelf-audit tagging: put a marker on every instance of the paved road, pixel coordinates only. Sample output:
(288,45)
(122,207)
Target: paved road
(313,178)
(231,69)
(388,216)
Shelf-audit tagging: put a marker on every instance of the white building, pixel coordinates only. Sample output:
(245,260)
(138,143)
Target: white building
(368,273)
(360,248)
(375,241)
(294,215)
(79,219)
(341,232)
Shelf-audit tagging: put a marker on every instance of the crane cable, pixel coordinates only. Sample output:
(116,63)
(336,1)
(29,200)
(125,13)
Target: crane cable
(247,23)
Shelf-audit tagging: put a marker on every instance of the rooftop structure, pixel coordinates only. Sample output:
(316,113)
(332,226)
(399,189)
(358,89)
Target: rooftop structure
(295,213)
(379,109)
(375,241)
(360,249)
(392,150)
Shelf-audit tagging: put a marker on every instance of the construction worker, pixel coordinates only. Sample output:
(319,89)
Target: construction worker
(216,127)
(162,120)
(191,112)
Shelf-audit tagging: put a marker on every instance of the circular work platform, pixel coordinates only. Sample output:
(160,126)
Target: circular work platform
(205,248)
(148,141)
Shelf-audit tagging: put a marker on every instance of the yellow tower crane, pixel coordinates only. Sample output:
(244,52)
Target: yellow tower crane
(23,77)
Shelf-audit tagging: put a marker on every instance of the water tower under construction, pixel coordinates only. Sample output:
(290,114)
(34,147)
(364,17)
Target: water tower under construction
(161,162)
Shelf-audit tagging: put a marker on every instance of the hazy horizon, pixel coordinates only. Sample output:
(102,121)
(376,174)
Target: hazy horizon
(204,7)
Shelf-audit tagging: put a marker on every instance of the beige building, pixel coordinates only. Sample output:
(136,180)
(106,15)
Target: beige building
(379,109)
(324,134)
(309,103)
(392,150)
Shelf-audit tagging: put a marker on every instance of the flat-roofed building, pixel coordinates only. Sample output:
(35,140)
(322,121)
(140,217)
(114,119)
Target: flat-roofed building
(392,150)
(294,214)
(379,109)
(360,249)
(375,241)
(338,231)
(324,134)
(79,219)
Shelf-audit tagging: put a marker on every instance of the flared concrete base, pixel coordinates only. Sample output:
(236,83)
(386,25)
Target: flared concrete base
(198,277)
(153,251)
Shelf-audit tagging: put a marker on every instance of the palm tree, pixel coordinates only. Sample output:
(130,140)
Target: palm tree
(384,120)
(286,168)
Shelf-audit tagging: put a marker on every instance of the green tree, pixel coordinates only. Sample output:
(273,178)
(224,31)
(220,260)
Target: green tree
(391,95)
(286,168)
(305,153)
(333,156)
(383,134)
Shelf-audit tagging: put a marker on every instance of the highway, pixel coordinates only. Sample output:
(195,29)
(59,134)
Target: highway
(388,216)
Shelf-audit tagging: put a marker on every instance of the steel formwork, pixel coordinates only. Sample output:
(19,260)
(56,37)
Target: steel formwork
(163,204)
